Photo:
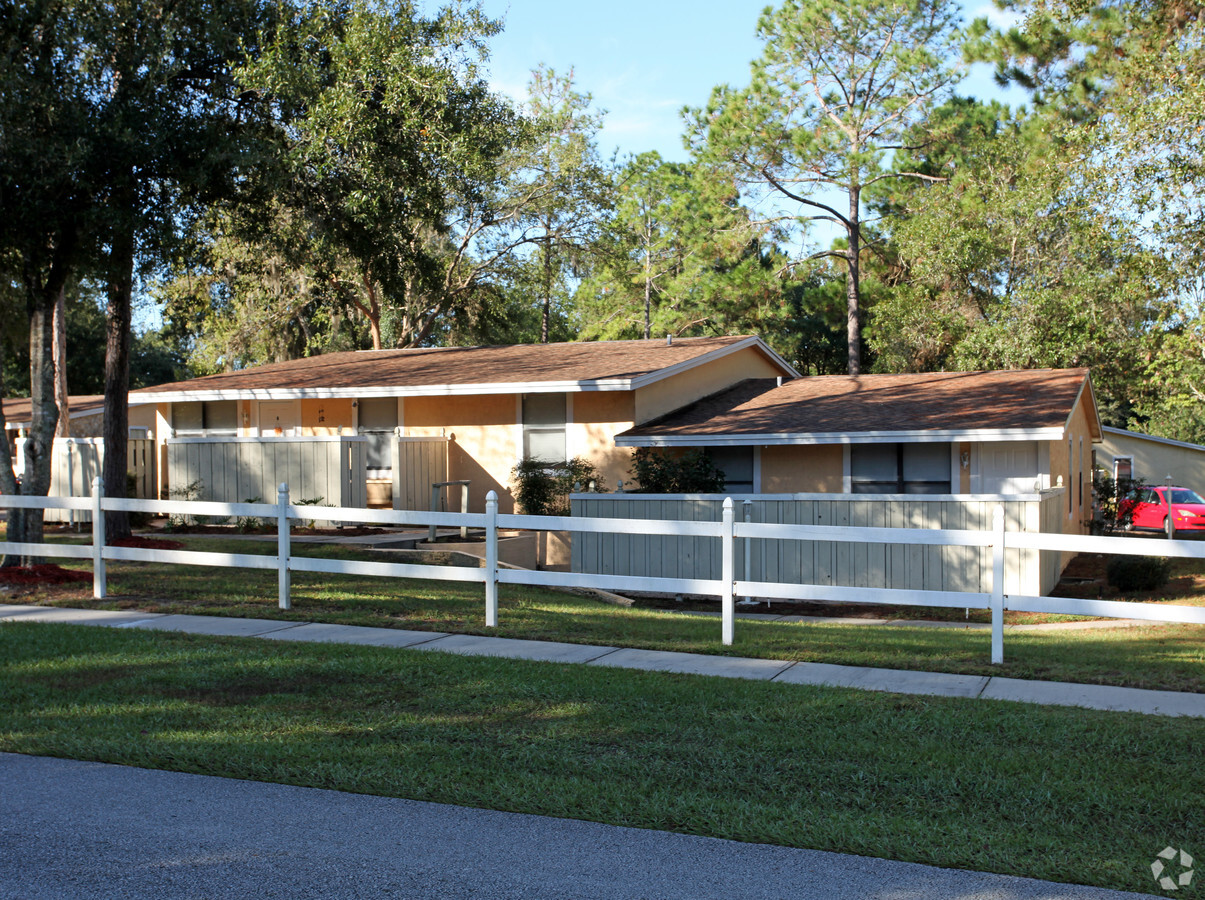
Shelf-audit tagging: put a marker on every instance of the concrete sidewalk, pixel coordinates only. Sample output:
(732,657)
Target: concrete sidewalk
(88,830)
(1163,703)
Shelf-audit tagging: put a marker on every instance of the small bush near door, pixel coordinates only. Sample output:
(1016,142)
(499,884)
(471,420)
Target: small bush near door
(1138,573)
(657,472)
(542,488)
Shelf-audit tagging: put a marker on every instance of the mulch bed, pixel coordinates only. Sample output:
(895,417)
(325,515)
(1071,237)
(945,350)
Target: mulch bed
(145,543)
(43,574)
(234,531)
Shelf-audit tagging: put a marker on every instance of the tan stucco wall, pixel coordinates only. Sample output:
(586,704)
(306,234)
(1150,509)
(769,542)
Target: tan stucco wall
(597,418)
(678,390)
(802,469)
(1155,461)
(326,417)
(486,440)
(1077,477)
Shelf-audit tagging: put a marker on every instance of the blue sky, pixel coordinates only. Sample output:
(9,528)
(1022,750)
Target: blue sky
(643,60)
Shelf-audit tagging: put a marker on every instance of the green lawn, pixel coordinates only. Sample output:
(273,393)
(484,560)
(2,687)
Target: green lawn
(1170,657)
(1063,794)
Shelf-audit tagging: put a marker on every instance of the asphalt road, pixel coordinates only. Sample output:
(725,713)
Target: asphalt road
(73,829)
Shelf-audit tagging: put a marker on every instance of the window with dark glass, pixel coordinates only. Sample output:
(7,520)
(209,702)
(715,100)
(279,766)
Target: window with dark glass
(378,424)
(900,468)
(737,465)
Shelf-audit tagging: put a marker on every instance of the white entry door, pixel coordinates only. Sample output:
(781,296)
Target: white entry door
(277,418)
(1009,468)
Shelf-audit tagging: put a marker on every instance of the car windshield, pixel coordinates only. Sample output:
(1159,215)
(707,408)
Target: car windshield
(1184,495)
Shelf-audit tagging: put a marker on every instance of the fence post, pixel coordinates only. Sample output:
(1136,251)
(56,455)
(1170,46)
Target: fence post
(283,598)
(998,586)
(99,581)
(491,560)
(727,569)
(464,508)
(69,444)
(431,533)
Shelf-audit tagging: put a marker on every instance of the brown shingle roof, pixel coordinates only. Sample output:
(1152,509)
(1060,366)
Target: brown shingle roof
(850,405)
(434,369)
(18,411)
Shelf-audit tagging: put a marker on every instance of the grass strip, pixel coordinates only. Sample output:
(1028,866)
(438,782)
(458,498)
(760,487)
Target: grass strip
(1164,657)
(1053,793)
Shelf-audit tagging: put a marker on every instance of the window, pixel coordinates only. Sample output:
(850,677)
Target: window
(900,468)
(209,417)
(378,421)
(544,418)
(737,465)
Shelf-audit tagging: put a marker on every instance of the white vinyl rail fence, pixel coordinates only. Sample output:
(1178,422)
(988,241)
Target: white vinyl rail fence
(728,530)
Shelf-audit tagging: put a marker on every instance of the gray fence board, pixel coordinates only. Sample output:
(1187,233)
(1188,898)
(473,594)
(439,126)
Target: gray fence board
(74,462)
(234,470)
(852,564)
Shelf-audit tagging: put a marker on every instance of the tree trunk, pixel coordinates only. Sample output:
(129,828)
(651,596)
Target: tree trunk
(648,286)
(372,310)
(853,284)
(547,313)
(117,370)
(61,395)
(8,474)
(39,445)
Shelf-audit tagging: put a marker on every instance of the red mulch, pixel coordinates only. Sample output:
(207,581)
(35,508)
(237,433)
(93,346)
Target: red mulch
(146,543)
(44,574)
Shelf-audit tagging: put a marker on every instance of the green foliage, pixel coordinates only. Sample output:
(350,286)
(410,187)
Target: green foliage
(1113,501)
(542,488)
(190,492)
(1138,573)
(658,472)
(838,86)
(681,255)
(249,523)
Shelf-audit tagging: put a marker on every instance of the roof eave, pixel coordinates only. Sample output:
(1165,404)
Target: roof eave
(1094,425)
(915,436)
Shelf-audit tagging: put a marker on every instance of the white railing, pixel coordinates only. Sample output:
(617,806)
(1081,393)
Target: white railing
(727,530)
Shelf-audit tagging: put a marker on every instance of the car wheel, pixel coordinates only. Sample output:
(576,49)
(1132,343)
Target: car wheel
(1169,528)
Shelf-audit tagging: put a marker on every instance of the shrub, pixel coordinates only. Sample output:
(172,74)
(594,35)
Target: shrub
(542,488)
(189,492)
(656,472)
(1114,502)
(1138,573)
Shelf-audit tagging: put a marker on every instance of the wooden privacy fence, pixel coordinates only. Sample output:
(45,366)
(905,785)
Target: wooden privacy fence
(903,566)
(74,462)
(237,469)
(728,531)
(418,462)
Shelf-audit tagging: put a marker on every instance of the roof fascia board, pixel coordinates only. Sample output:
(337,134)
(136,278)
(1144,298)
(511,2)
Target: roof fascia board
(1121,432)
(1094,425)
(841,437)
(426,390)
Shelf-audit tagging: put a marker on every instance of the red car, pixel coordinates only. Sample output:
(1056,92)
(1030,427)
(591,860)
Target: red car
(1168,509)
